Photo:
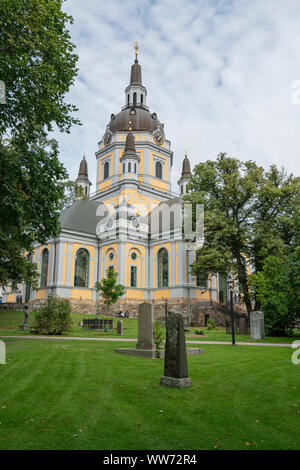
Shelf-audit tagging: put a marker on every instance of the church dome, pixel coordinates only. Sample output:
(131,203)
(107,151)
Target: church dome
(142,120)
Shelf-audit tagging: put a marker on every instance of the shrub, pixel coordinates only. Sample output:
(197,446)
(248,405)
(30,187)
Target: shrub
(199,332)
(211,324)
(158,334)
(55,317)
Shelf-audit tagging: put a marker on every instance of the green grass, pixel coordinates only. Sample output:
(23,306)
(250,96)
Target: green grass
(11,320)
(219,334)
(81,395)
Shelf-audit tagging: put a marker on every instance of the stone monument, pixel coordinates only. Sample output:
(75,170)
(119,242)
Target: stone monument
(257,325)
(175,368)
(120,328)
(145,346)
(145,326)
(25,327)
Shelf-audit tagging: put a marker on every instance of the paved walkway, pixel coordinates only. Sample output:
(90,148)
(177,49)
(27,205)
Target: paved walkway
(132,340)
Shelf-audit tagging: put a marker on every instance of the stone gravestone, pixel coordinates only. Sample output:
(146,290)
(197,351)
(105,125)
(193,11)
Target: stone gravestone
(2,353)
(257,325)
(145,326)
(120,328)
(25,327)
(242,326)
(176,369)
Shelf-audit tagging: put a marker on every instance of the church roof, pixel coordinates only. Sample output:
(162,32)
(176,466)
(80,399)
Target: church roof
(81,216)
(142,120)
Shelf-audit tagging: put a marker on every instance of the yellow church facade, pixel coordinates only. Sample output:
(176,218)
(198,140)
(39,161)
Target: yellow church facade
(113,227)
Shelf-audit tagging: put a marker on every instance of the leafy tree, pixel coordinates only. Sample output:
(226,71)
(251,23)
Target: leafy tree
(277,287)
(109,289)
(38,66)
(247,215)
(72,191)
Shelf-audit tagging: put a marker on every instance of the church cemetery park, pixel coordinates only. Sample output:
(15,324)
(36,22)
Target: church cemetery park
(82,395)
(10,322)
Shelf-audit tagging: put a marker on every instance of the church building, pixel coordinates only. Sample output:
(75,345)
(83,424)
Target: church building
(113,226)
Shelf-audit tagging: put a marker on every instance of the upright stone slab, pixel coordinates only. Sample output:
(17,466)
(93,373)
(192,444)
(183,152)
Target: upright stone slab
(120,328)
(176,369)
(257,325)
(145,326)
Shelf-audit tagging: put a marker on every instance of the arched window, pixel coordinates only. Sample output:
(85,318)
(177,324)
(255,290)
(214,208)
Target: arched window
(44,268)
(163,268)
(134,99)
(158,170)
(128,99)
(81,278)
(129,167)
(142,98)
(123,167)
(135,167)
(106,170)
(86,190)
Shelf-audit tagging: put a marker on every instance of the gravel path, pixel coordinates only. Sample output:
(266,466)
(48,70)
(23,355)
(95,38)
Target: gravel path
(132,340)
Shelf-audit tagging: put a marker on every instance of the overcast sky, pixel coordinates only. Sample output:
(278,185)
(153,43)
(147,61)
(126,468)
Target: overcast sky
(219,75)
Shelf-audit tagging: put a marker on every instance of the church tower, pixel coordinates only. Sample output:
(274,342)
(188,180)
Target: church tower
(83,177)
(134,159)
(185,175)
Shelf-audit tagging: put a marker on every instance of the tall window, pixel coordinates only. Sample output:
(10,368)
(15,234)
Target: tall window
(44,268)
(134,99)
(133,276)
(81,278)
(123,167)
(163,268)
(106,170)
(142,98)
(158,170)
(129,167)
(135,167)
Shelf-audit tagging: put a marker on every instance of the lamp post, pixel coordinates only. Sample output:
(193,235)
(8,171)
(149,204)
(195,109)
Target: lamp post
(230,283)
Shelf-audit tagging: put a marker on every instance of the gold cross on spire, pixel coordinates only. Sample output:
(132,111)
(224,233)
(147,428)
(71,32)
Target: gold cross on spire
(136,48)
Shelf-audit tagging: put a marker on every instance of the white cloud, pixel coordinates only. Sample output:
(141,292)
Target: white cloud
(218,74)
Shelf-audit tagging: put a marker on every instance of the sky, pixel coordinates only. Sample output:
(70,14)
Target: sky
(222,75)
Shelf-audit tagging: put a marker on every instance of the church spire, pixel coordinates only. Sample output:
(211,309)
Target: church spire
(135,93)
(185,174)
(83,177)
(136,71)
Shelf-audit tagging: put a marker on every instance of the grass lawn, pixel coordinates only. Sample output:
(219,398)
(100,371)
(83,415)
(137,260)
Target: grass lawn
(81,395)
(11,320)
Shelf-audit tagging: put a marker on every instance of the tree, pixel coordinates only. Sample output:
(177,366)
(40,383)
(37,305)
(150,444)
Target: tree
(38,67)
(277,287)
(109,289)
(244,206)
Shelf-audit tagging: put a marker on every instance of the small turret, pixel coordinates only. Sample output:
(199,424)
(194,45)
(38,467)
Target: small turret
(83,177)
(130,159)
(185,175)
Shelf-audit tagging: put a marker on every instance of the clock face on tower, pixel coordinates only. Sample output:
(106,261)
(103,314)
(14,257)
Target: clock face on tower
(107,138)
(158,138)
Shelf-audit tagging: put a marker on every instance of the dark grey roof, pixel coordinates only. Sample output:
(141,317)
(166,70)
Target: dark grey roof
(81,216)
